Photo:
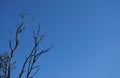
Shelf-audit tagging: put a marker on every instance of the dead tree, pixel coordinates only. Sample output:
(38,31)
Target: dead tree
(29,64)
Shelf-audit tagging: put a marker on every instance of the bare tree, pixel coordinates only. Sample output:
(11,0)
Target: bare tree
(6,60)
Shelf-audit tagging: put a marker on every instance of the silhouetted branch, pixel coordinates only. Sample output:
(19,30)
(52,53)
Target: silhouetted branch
(29,67)
(33,56)
(13,49)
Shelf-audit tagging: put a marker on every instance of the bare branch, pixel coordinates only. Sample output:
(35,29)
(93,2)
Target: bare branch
(35,73)
(13,49)
(29,65)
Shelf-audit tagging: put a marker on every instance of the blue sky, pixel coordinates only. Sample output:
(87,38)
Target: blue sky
(86,34)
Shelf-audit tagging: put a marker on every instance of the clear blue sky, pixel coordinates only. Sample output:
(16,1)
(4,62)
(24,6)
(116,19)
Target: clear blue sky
(86,34)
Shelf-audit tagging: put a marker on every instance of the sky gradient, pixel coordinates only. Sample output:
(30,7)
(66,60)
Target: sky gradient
(86,34)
